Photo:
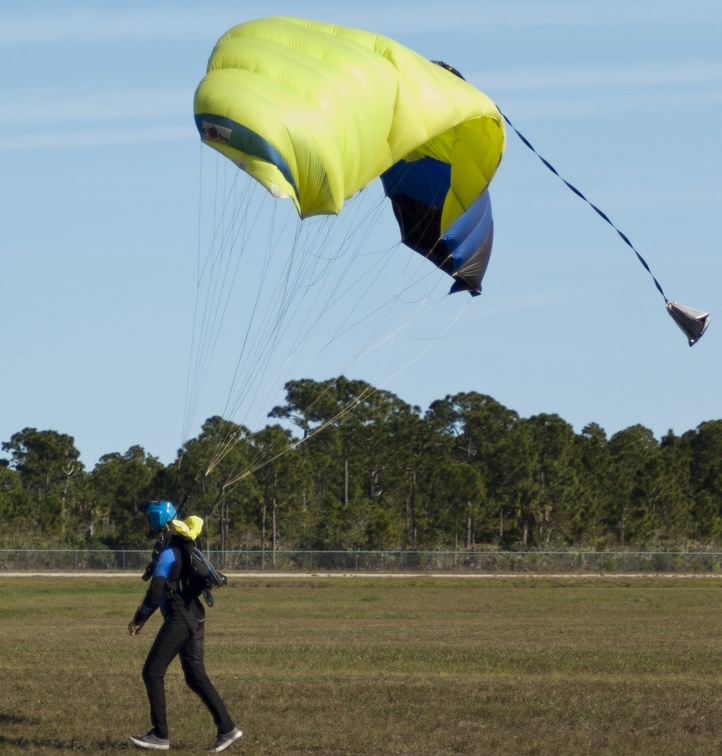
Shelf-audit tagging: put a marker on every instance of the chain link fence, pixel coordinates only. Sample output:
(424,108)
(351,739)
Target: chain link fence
(412,562)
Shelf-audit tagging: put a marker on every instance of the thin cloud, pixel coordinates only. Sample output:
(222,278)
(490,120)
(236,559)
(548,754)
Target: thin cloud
(594,106)
(471,17)
(630,77)
(99,137)
(591,92)
(60,118)
(103,25)
(93,24)
(398,21)
(52,105)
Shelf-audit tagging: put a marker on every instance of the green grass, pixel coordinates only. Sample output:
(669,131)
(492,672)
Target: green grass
(377,666)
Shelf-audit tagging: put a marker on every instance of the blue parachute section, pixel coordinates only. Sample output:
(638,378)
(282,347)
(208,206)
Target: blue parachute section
(417,191)
(469,241)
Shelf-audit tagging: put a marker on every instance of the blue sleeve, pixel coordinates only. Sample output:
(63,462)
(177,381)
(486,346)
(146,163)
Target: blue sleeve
(161,572)
(166,560)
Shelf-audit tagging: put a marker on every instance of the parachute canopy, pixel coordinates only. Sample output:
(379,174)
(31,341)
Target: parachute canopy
(315,112)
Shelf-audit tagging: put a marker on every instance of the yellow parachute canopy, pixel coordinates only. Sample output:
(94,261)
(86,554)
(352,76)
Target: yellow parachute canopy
(316,111)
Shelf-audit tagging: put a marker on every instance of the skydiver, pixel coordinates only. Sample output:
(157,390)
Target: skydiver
(181,634)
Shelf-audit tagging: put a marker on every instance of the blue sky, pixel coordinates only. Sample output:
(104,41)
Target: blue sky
(104,192)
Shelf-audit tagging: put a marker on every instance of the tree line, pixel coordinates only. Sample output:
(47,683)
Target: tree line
(343,465)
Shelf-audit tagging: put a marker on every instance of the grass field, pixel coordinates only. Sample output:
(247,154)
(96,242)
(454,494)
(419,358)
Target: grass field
(378,666)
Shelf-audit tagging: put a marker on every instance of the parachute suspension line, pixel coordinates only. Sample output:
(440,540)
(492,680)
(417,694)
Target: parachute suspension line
(187,414)
(693,323)
(264,459)
(211,292)
(342,290)
(268,456)
(192,382)
(288,290)
(368,391)
(599,212)
(405,325)
(230,441)
(247,341)
(382,313)
(257,345)
(257,352)
(192,387)
(383,310)
(373,274)
(392,336)
(304,270)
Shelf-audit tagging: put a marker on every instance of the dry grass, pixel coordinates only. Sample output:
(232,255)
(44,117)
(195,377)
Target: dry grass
(364,666)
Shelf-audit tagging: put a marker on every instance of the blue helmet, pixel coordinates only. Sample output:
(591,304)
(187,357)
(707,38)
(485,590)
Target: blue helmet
(159,513)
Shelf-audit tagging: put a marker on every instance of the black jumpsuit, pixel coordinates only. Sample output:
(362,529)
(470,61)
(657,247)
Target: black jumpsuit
(182,633)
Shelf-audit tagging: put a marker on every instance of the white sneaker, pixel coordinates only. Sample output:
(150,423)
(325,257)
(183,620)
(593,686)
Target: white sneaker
(226,740)
(150,741)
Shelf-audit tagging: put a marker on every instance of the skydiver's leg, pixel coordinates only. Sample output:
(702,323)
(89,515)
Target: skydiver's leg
(171,637)
(192,661)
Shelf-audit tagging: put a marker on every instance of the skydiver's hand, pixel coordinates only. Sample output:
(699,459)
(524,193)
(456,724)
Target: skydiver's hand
(134,629)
